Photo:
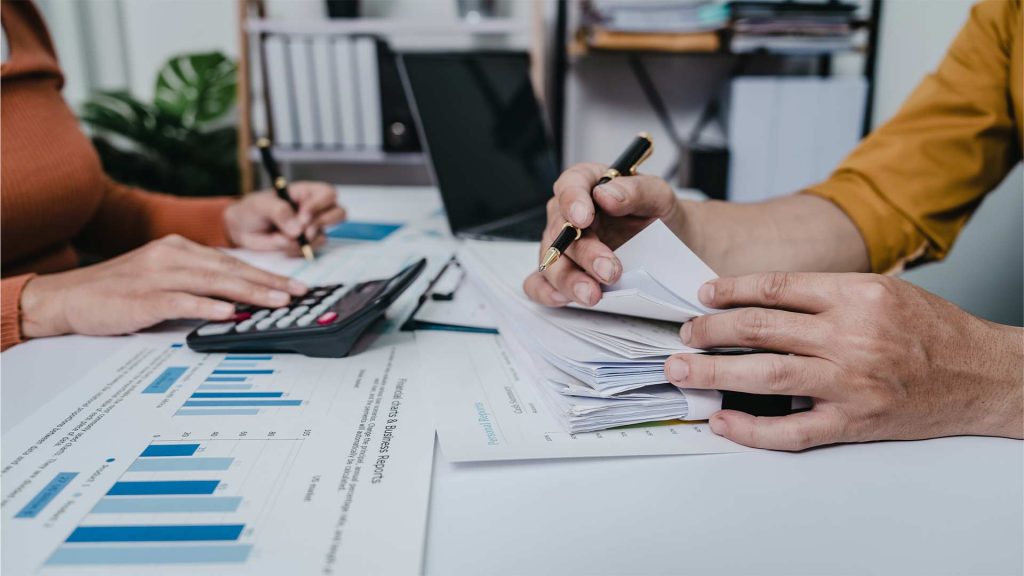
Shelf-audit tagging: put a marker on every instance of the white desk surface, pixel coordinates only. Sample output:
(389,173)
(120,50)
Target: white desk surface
(947,506)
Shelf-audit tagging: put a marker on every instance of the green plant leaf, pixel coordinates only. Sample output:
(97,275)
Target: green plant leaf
(196,88)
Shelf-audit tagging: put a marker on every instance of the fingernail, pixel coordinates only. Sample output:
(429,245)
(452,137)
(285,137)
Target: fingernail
(604,268)
(582,292)
(719,425)
(578,213)
(612,191)
(279,298)
(678,370)
(707,293)
(297,287)
(224,309)
(559,298)
(685,333)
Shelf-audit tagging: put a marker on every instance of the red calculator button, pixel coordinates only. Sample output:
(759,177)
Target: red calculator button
(326,318)
(239,316)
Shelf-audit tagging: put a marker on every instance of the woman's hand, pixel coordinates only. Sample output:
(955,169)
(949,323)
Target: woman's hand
(166,279)
(627,205)
(262,221)
(881,358)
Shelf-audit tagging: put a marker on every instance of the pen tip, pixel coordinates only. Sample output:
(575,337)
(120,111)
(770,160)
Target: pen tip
(307,252)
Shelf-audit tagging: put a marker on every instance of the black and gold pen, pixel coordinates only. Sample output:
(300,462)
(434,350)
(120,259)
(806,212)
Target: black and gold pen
(281,187)
(625,165)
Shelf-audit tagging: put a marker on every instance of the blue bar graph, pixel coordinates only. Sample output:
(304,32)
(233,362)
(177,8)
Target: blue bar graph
(217,412)
(238,394)
(238,364)
(165,380)
(180,464)
(226,379)
(151,488)
(227,403)
(216,386)
(160,533)
(219,372)
(246,357)
(70,555)
(174,505)
(155,450)
(46,495)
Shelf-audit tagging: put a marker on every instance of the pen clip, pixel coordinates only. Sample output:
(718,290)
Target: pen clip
(643,157)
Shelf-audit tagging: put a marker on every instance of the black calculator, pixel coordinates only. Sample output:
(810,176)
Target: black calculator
(324,323)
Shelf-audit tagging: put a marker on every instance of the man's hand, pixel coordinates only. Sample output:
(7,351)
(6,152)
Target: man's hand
(262,221)
(882,359)
(627,206)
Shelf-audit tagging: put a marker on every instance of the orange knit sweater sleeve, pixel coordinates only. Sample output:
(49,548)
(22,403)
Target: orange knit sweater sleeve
(129,217)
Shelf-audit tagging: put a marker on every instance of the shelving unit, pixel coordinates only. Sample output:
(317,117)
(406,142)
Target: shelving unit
(255,27)
(580,42)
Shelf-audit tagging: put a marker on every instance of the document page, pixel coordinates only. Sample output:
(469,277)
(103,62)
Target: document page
(163,460)
(489,406)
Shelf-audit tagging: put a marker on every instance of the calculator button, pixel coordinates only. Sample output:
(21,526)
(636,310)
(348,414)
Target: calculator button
(239,316)
(305,320)
(308,302)
(265,323)
(245,326)
(285,322)
(299,311)
(278,313)
(319,309)
(320,293)
(327,318)
(260,314)
(215,329)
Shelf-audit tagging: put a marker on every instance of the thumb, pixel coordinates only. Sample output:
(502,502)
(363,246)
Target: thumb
(285,219)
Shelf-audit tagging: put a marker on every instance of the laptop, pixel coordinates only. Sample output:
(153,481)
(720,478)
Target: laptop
(489,148)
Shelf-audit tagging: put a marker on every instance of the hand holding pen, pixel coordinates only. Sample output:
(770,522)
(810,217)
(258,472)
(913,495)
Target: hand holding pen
(608,211)
(281,188)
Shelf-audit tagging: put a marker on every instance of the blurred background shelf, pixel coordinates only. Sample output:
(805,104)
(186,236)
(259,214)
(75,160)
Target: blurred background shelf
(386,27)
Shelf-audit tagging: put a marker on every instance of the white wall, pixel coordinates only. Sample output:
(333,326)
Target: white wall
(984,273)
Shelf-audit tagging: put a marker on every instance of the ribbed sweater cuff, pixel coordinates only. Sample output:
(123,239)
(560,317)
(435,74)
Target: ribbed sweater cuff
(10,309)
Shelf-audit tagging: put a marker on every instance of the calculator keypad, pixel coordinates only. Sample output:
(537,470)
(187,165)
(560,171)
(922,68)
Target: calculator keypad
(321,306)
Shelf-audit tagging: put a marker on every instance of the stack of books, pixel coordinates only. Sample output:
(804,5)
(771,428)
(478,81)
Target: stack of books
(792,27)
(654,25)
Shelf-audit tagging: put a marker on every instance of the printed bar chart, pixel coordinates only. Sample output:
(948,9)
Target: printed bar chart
(165,487)
(180,464)
(239,385)
(66,555)
(165,533)
(178,505)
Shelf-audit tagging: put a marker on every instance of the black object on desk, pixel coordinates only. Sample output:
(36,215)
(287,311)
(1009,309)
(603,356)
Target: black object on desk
(281,188)
(325,323)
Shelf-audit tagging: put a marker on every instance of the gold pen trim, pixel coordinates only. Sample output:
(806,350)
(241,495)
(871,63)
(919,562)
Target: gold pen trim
(280,183)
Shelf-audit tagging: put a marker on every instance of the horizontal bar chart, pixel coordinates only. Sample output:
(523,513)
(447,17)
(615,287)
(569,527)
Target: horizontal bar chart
(218,412)
(180,464)
(176,504)
(231,357)
(68,555)
(228,403)
(165,487)
(237,394)
(164,450)
(160,533)
(226,379)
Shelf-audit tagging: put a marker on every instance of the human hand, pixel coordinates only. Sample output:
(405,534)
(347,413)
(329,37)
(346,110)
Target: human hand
(627,205)
(881,358)
(166,279)
(262,221)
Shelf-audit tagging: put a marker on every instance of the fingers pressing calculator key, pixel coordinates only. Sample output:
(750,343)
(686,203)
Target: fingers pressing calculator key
(326,322)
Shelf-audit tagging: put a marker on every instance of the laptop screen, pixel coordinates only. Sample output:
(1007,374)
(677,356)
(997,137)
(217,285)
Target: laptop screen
(483,129)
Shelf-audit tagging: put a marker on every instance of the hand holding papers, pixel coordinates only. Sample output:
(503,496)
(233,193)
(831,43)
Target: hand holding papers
(660,279)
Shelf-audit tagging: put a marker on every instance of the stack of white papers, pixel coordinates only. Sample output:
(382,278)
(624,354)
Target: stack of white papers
(603,370)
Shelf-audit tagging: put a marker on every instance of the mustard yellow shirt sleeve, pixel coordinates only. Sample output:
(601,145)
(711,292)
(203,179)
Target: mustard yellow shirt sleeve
(912,184)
